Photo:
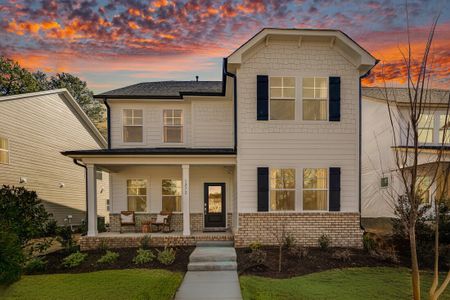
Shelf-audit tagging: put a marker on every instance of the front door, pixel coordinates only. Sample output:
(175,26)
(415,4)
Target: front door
(215,205)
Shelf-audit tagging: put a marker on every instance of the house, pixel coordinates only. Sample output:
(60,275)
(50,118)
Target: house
(381,184)
(34,129)
(273,146)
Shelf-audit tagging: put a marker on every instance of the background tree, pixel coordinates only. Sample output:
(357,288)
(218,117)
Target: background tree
(14,79)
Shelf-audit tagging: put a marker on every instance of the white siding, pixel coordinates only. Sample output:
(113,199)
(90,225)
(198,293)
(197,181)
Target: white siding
(38,129)
(297,143)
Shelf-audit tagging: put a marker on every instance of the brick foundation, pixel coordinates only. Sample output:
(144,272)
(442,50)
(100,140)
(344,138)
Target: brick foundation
(342,228)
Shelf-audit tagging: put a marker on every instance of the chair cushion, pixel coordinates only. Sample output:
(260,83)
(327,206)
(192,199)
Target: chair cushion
(128,218)
(160,218)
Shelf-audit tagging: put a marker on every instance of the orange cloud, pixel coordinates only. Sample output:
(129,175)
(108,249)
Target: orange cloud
(160,3)
(134,12)
(133,25)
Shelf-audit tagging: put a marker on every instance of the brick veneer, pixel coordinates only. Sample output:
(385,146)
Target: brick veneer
(342,228)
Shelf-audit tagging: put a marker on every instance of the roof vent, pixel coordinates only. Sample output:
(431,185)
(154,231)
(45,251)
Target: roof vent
(196,78)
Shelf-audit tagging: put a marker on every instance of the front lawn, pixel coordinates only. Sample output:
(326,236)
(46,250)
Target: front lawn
(353,283)
(111,284)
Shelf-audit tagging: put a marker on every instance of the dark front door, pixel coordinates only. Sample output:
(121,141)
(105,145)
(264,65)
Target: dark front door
(214,205)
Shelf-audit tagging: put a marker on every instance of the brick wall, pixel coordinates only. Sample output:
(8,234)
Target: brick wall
(342,228)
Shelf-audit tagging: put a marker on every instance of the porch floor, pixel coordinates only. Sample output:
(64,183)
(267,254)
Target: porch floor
(197,235)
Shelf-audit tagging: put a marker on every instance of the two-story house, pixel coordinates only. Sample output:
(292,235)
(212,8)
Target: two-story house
(273,146)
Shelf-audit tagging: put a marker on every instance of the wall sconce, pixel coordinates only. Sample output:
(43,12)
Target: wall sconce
(61,185)
(23,180)
(101,190)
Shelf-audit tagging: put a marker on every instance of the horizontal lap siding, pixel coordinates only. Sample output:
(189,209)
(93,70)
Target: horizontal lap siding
(297,143)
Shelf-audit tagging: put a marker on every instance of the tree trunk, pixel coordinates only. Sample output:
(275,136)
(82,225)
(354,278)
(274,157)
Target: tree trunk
(279,258)
(414,263)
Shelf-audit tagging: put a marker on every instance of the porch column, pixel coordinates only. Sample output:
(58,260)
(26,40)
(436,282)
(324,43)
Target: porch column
(185,200)
(91,200)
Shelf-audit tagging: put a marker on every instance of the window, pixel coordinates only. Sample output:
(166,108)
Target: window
(137,195)
(4,151)
(425,128)
(282,189)
(282,98)
(444,126)
(315,99)
(108,205)
(171,195)
(98,175)
(384,182)
(315,189)
(423,188)
(132,125)
(173,125)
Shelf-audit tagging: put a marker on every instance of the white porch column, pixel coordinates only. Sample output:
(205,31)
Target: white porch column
(91,200)
(185,200)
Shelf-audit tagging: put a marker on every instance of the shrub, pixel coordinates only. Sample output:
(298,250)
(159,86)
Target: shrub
(50,228)
(298,252)
(289,241)
(35,265)
(65,238)
(41,246)
(324,242)
(342,255)
(145,242)
(109,258)
(103,246)
(22,212)
(166,256)
(143,256)
(74,259)
(368,242)
(11,257)
(255,246)
(257,257)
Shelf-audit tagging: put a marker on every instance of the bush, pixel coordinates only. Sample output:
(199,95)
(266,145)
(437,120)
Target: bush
(257,257)
(324,242)
(143,256)
(342,255)
(255,246)
(289,241)
(167,256)
(74,260)
(22,212)
(11,257)
(298,252)
(35,265)
(103,246)
(41,246)
(51,228)
(109,258)
(145,242)
(65,238)
(368,242)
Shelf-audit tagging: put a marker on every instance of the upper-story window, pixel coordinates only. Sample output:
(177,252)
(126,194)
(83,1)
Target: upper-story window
(4,151)
(282,98)
(132,126)
(282,189)
(444,128)
(315,99)
(425,128)
(173,125)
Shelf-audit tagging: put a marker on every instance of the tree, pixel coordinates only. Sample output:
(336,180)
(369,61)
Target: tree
(14,79)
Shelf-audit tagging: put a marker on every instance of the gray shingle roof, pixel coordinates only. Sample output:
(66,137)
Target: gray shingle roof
(153,151)
(165,89)
(401,94)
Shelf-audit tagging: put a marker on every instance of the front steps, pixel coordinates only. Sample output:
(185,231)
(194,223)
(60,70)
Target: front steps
(213,256)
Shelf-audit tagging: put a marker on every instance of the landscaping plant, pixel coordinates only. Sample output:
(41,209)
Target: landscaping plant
(324,242)
(166,256)
(11,257)
(143,256)
(109,258)
(35,265)
(255,246)
(342,255)
(298,251)
(65,238)
(74,260)
(257,257)
(145,242)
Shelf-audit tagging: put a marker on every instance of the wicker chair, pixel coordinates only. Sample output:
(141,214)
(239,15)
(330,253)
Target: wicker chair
(162,222)
(127,218)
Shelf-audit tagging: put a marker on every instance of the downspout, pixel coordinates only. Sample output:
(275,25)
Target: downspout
(75,161)
(225,67)
(108,121)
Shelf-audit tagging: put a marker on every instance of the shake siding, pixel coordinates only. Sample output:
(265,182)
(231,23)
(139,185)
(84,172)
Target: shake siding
(38,129)
(298,144)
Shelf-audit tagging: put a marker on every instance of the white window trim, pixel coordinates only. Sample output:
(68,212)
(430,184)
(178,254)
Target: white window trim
(123,125)
(8,151)
(308,189)
(183,129)
(147,198)
(283,98)
(326,121)
(295,189)
(181,199)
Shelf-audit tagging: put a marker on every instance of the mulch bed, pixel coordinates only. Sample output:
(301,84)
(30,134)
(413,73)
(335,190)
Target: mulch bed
(125,261)
(317,260)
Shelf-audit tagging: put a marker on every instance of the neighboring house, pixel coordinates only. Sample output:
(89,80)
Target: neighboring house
(273,145)
(34,129)
(381,184)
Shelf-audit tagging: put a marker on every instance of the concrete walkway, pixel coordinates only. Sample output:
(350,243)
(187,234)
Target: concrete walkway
(211,273)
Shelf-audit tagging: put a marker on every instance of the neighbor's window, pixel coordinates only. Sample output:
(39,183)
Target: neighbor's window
(173,125)
(108,205)
(315,189)
(315,99)
(282,98)
(444,125)
(137,194)
(171,195)
(384,182)
(423,184)
(282,189)
(425,128)
(4,151)
(98,175)
(132,126)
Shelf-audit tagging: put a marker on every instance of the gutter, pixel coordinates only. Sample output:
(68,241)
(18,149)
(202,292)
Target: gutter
(108,120)
(226,73)
(75,161)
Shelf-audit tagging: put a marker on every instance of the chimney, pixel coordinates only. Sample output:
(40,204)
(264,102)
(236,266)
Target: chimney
(196,78)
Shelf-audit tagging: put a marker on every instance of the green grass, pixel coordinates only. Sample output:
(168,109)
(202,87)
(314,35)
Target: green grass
(112,284)
(353,283)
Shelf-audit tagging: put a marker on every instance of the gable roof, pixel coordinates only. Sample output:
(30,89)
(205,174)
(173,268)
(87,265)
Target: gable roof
(400,95)
(166,90)
(71,101)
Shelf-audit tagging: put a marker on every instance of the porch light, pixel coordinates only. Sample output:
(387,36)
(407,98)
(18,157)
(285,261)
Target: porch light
(23,180)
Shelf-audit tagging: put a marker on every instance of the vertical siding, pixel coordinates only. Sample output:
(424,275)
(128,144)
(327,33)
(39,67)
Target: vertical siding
(297,143)
(38,129)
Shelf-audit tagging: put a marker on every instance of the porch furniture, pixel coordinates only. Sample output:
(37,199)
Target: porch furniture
(161,222)
(146,226)
(127,218)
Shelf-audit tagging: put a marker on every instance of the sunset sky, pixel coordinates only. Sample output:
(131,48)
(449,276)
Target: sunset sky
(111,44)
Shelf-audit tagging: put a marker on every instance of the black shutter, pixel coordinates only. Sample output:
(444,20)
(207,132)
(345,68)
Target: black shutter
(335,189)
(262,97)
(335,98)
(263,189)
